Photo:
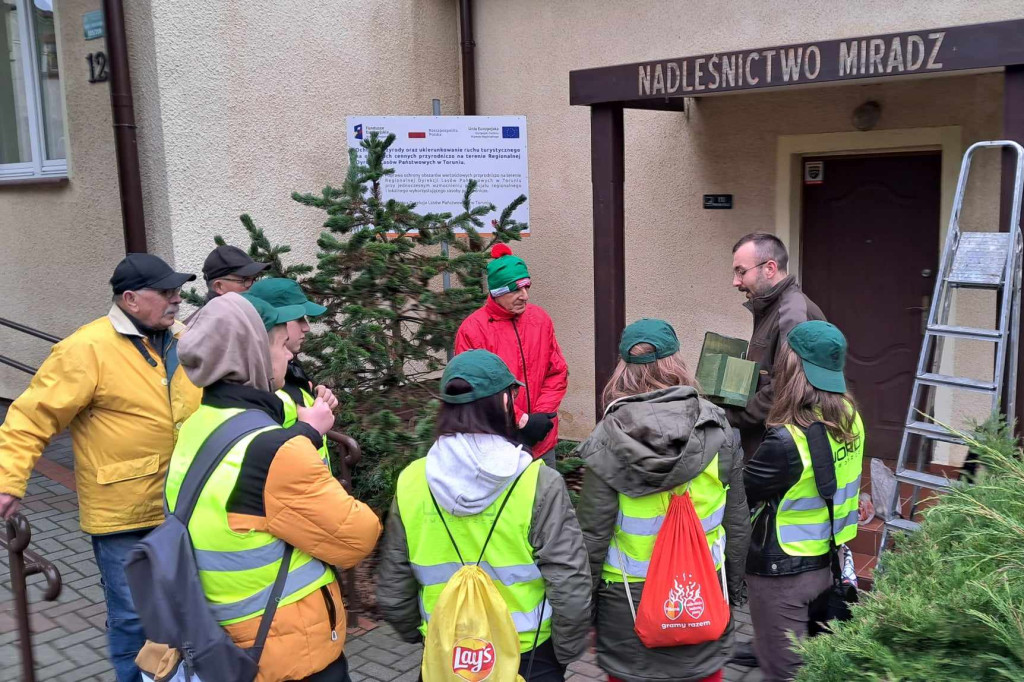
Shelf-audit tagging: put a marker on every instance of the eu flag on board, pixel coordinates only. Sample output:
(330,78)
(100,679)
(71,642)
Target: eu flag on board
(510,132)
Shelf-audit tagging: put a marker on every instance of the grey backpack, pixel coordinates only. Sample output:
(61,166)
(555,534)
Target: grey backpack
(164,580)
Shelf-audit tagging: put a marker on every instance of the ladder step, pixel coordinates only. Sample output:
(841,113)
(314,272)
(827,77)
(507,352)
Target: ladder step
(933,431)
(922,479)
(903,524)
(974,333)
(967,282)
(957,382)
(979,259)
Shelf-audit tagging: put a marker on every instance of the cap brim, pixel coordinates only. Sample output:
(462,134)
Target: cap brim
(171,281)
(824,379)
(250,269)
(290,312)
(314,309)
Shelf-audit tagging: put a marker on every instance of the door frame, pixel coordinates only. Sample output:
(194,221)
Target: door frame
(790,151)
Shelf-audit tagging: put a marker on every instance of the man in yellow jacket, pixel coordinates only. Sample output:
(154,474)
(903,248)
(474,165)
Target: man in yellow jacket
(118,384)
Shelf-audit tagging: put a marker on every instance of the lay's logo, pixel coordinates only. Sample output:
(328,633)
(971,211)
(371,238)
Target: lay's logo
(473,659)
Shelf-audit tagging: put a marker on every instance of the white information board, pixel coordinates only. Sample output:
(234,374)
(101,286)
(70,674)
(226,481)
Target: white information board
(435,156)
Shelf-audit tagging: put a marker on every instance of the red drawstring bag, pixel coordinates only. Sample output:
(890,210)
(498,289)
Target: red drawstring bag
(683,602)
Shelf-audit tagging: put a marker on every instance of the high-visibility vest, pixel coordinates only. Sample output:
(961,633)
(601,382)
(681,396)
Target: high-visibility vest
(508,558)
(640,519)
(291,415)
(237,570)
(802,519)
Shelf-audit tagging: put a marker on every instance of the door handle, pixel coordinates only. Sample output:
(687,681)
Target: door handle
(924,309)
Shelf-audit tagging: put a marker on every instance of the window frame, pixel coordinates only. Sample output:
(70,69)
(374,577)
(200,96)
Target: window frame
(39,166)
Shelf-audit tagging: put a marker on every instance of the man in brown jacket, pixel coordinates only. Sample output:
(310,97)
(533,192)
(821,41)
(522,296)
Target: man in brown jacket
(759,270)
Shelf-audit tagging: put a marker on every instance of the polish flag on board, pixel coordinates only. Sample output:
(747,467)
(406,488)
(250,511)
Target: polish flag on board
(417,136)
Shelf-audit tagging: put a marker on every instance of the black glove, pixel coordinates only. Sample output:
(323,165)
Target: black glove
(538,426)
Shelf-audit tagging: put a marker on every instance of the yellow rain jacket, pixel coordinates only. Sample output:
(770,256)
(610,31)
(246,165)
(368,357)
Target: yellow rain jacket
(124,416)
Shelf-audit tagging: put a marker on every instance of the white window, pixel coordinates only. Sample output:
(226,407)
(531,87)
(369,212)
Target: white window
(32,142)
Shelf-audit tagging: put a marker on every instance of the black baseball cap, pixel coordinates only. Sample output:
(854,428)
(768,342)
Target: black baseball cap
(146,271)
(230,260)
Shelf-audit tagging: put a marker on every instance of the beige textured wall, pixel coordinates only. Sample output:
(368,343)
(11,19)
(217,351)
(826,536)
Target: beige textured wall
(677,255)
(58,245)
(242,103)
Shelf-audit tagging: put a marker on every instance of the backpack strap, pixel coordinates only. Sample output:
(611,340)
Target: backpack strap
(493,525)
(210,454)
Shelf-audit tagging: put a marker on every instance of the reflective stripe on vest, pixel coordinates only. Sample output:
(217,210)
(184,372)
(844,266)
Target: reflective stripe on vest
(508,559)
(506,575)
(641,518)
(237,570)
(801,524)
(638,569)
(524,622)
(291,415)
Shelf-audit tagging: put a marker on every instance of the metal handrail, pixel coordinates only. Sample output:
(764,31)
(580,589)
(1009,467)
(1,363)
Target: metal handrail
(19,534)
(30,331)
(25,329)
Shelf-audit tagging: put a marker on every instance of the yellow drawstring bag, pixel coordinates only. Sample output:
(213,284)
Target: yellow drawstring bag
(471,636)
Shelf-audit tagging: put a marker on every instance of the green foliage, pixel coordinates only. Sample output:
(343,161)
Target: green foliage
(389,324)
(948,603)
(261,251)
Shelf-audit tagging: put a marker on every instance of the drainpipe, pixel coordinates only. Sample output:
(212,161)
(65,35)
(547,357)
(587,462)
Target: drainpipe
(468,58)
(129,176)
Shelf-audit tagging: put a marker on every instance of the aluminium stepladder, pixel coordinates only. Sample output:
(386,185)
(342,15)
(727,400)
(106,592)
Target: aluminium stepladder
(970,260)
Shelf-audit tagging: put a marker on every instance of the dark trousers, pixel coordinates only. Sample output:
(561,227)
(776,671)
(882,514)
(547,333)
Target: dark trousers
(778,606)
(546,667)
(335,672)
(124,630)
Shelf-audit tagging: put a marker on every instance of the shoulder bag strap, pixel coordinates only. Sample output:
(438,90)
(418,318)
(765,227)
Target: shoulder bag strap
(268,614)
(210,454)
(825,482)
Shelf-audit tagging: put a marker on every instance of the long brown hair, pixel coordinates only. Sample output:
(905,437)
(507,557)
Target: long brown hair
(797,402)
(636,378)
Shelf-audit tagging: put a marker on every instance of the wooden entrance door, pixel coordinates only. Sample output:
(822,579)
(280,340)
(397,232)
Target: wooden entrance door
(870,249)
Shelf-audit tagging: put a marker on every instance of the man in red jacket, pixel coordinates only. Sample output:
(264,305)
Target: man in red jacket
(523,336)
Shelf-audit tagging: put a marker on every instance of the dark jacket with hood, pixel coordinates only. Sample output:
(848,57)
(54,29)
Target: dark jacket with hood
(648,444)
(776,312)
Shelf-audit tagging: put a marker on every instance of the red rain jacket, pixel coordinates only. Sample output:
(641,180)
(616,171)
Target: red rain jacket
(528,346)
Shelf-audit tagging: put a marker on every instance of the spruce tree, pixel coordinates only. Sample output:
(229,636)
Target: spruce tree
(389,324)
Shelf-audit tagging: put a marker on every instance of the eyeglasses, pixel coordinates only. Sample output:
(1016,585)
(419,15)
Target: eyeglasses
(244,281)
(740,272)
(167,294)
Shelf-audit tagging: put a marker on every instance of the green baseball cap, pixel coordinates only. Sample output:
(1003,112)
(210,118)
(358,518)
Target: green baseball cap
(822,349)
(484,371)
(269,314)
(658,333)
(282,292)
(506,273)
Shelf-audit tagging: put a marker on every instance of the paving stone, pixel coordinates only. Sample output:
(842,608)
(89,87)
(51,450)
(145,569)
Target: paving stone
(377,671)
(83,655)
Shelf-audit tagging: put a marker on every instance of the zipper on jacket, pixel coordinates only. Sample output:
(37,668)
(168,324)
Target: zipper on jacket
(526,376)
(332,612)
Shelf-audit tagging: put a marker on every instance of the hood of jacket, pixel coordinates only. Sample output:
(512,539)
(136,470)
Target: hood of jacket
(466,472)
(655,441)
